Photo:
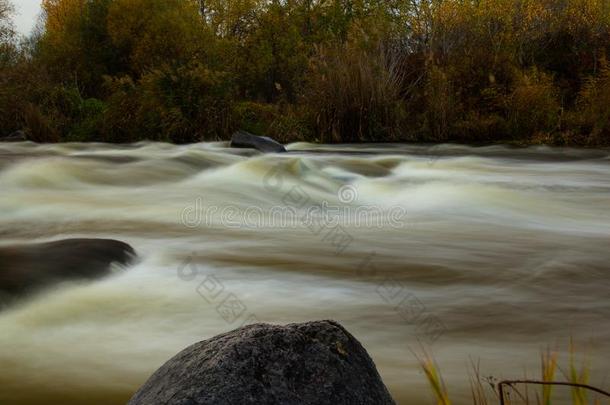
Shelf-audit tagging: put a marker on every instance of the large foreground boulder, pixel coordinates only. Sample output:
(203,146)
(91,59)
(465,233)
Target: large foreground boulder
(243,139)
(26,268)
(310,363)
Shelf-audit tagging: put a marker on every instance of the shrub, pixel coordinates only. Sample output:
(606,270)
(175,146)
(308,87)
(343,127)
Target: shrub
(186,104)
(533,105)
(481,128)
(353,93)
(440,105)
(281,122)
(40,128)
(88,123)
(120,116)
(256,118)
(593,109)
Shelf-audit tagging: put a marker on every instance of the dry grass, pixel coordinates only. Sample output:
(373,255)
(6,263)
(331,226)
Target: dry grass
(354,93)
(577,376)
(487,390)
(436,382)
(548,360)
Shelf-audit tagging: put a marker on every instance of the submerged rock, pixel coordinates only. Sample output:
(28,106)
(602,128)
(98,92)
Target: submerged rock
(17,136)
(26,268)
(243,139)
(310,363)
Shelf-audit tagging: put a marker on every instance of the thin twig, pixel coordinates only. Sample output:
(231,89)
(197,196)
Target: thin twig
(511,382)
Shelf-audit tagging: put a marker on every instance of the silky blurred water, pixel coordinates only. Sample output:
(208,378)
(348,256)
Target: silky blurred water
(496,254)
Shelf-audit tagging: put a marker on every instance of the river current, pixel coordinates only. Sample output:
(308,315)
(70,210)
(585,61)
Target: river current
(484,255)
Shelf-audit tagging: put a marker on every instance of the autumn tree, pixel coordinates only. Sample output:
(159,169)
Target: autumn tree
(6,25)
(149,33)
(75,45)
(7,53)
(333,70)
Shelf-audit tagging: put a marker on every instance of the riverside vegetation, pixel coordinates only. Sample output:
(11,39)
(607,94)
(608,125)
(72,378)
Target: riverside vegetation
(486,390)
(519,71)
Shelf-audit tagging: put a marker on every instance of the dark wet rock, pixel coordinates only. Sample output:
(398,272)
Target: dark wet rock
(26,268)
(17,136)
(243,139)
(310,363)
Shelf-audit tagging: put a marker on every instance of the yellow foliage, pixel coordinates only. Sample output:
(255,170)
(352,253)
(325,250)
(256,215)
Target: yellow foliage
(59,13)
(432,70)
(61,20)
(154,32)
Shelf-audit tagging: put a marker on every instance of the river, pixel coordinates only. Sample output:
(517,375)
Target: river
(471,254)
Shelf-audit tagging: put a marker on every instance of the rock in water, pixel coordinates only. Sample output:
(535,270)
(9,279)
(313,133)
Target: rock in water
(17,136)
(243,139)
(313,363)
(26,268)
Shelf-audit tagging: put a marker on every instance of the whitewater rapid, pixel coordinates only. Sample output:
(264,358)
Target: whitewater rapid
(487,254)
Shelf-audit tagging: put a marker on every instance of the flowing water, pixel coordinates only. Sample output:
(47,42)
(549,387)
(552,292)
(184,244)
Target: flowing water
(484,255)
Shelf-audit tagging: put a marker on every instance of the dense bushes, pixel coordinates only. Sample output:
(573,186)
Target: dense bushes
(592,115)
(353,93)
(319,70)
(188,103)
